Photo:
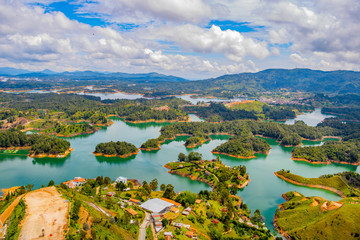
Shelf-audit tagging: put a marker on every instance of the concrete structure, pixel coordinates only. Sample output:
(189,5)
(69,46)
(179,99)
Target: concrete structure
(157,205)
(121,179)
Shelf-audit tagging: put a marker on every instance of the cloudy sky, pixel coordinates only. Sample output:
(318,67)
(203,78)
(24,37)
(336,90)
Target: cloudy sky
(190,38)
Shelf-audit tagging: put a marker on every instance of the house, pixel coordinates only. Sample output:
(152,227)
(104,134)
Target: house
(168,234)
(188,209)
(110,194)
(174,210)
(185,213)
(223,210)
(178,225)
(136,201)
(215,221)
(186,226)
(76,182)
(207,173)
(198,201)
(191,235)
(121,179)
(131,211)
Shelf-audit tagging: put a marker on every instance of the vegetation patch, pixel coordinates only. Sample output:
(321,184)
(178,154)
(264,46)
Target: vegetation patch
(344,184)
(116,149)
(300,218)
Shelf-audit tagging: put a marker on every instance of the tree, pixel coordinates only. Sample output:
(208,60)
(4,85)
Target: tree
(154,184)
(182,157)
(194,156)
(100,180)
(107,180)
(29,187)
(120,186)
(169,192)
(51,183)
(162,187)
(165,222)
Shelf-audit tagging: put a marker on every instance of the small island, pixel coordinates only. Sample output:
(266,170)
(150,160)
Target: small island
(317,218)
(210,172)
(243,146)
(346,184)
(344,152)
(116,149)
(196,140)
(39,146)
(151,145)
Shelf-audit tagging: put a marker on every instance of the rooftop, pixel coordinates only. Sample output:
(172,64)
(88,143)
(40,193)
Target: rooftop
(156,205)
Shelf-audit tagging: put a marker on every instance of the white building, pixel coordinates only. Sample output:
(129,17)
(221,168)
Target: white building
(121,179)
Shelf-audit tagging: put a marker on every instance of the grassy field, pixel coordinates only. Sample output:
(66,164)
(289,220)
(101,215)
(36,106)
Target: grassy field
(302,219)
(251,106)
(336,182)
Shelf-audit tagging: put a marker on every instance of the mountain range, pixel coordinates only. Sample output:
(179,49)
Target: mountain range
(307,80)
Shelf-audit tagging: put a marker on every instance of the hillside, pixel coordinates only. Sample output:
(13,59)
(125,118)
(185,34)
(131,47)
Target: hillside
(317,218)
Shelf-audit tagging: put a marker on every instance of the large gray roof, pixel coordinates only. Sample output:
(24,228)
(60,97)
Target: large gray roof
(155,205)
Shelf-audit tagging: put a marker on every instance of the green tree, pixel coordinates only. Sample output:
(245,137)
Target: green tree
(182,157)
(154,184)
(51,183)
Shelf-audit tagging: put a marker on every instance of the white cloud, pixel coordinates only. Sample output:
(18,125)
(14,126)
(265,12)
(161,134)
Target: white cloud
(142,11)
(232,44)
(30,37)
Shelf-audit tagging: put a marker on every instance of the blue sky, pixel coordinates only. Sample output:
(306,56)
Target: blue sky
(189,38)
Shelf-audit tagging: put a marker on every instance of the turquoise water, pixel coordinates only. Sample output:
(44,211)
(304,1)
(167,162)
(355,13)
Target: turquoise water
(263,192)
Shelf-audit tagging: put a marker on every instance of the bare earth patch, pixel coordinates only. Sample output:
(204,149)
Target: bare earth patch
(46,215)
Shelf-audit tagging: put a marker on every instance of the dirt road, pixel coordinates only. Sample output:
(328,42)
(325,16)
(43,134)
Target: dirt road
(9,210)
(46,214)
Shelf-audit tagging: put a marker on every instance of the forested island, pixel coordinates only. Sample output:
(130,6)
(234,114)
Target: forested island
(243,146)
(151,145)
(116,149)
(196,140)
(291,135)
(331,152)
(38,145)
(345,184)
(210,172)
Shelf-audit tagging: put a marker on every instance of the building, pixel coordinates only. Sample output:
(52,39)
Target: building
(136,201)
(121,179)
(157,205)
(191,235)
(131,211)
(76,182)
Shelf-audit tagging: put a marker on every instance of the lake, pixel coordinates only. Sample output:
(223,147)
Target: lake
(263,192)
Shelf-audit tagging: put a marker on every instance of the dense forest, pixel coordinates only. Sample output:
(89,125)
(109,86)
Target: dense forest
(245,145)
(74,107)
(38,143)
(348,152)
(275,130)
(116,148)
(71,129)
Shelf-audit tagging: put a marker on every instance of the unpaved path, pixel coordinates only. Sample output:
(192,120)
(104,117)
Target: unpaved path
(4,216)
(45,209)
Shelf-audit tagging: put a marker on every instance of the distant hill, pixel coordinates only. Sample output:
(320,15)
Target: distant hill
(296,79)
(90,75)
(7,71)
